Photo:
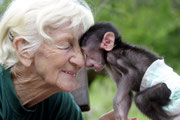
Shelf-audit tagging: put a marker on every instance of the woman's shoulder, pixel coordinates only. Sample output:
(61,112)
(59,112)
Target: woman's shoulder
(3,74)
(4,71)
(1,69)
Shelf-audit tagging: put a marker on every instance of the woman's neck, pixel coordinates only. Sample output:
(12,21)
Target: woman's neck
(30,87)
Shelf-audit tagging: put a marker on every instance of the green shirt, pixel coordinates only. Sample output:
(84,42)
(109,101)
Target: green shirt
(59,106)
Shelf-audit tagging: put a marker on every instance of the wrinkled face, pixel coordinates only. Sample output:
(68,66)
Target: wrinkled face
(59,62)
(94,57)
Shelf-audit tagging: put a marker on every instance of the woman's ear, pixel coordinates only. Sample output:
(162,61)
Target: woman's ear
(108,41)
(26,57)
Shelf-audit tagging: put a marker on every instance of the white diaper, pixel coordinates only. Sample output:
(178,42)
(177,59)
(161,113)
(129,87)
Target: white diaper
(159,72)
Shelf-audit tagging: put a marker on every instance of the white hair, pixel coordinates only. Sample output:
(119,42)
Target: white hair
(29,18)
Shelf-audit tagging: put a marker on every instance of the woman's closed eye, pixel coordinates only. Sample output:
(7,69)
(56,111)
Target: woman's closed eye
(63,47)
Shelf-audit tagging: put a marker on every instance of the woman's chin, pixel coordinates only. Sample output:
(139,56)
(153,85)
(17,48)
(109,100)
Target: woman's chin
(67,87)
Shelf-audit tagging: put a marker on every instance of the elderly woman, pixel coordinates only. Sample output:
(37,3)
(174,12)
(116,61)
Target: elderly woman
(40,58)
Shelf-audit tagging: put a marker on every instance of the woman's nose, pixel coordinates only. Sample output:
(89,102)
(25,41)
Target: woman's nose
(78,59)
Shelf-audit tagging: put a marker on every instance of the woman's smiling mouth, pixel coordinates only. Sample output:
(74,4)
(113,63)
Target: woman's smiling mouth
(70,73)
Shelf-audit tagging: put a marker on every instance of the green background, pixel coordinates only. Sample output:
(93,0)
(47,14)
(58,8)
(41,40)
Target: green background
(154,24)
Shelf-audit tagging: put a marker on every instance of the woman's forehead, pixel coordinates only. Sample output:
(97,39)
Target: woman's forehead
(64,31)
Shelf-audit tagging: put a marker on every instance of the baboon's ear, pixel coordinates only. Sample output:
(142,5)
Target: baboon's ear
(108,41)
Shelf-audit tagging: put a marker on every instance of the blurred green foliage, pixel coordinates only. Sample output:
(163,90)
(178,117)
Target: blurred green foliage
(154,24)
(4,6)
